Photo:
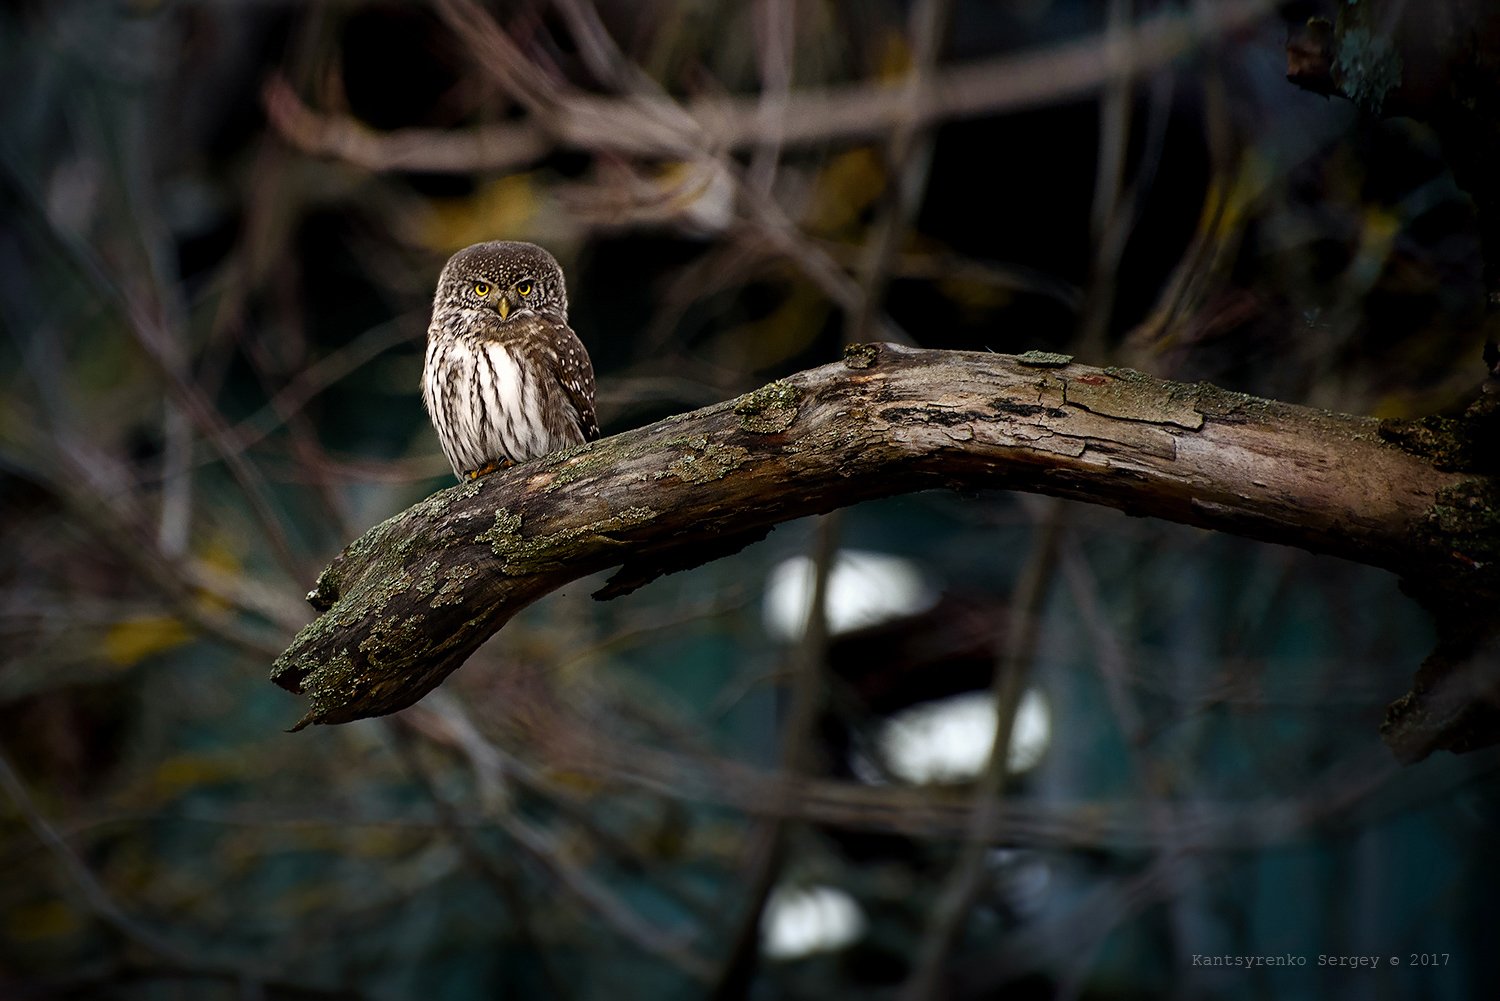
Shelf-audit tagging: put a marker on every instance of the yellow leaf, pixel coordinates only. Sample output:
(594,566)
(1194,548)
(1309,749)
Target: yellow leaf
(40,920)
(894,61)
(506,206)
(191,771)
(578,782)
(221,557)
(129,642)
(845,188)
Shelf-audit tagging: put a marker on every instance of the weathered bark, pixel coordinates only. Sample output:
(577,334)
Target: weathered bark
(407,603)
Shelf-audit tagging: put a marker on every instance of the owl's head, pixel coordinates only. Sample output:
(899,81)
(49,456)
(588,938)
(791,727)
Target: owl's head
(509,278)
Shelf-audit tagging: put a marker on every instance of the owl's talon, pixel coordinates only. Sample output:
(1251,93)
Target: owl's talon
(488,468)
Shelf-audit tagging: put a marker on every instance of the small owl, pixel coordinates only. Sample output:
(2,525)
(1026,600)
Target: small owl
(505,379)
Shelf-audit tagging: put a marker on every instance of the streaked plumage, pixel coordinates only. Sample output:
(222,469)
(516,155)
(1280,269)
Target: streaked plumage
(505,378)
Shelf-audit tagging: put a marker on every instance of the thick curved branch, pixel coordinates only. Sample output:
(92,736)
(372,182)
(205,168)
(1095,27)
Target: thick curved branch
(406,604)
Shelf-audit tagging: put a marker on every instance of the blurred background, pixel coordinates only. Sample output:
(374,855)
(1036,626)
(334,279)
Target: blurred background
(938,745)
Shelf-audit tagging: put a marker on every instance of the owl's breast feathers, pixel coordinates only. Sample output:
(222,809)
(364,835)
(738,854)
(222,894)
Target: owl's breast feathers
(522,390)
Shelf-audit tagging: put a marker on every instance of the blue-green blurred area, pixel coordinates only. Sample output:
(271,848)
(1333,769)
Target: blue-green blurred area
(217,250)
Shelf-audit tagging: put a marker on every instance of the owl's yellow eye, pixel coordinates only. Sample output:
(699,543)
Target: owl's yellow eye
(481,289)
(524,288)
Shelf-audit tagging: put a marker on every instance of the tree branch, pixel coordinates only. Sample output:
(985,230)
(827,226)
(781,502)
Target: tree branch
(406,604)
(643,126)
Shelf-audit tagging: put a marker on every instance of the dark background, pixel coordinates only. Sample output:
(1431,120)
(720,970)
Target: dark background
(208,386)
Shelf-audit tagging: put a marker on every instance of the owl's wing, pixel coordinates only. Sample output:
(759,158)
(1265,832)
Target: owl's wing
(575,373)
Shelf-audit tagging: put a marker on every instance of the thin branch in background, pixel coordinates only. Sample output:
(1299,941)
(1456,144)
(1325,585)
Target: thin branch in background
(722,268)
(158,284)
(1042,945)
(649,124)
(1179,869)
(156,343)
(775,32)
(1105,231)
(932,267)
(597,47)
(908,160)
(787,239)
(442,719)
(1013,666)
(1116,206)
(769,847)
(504,878)
(639,126)
(1085,927)
(672,946)
(306,449)
(557,106)
(124,534)
(95,896)
(650,625)
(106,980)
(177,482)
(621,393)
(302,439)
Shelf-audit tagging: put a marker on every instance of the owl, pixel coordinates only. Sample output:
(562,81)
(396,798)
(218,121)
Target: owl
(505,378)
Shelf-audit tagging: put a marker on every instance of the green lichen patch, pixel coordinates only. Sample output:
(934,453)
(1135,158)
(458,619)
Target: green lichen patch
(327,684)
(861,355)
(364,596)
(465,490)
(393,639)
(1044,359)
(427,581)
(389,541)
(506,530)
(325,592)
(770,409)
(566,465)
(606,457)
(520,555)
(454,581)
(709,463)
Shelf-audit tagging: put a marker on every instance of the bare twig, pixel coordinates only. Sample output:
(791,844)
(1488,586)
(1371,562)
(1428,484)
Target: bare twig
(114,523)
(639,127)
(1012,668)
(775,26)
(908,162)
(1173,858)
(94,894)
(595,897)
(504,878)
(444,720)
(154,338)
(1106,235)
(769,848)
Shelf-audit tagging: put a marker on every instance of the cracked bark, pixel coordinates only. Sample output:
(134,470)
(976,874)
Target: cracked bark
(406,604)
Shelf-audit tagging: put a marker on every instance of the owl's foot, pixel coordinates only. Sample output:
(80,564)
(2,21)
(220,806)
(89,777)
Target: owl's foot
(489,468)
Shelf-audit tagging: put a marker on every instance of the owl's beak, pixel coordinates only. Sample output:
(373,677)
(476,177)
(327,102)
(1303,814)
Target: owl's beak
(503,305)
